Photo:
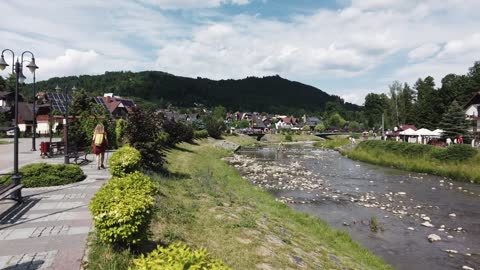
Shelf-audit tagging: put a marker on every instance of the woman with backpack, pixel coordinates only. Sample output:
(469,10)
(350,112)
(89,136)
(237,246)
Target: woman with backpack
(99,142)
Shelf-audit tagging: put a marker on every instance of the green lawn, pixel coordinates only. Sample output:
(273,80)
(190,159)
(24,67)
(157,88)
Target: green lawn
(468,171)
(206,203)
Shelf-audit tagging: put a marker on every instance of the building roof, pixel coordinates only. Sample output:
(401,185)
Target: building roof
(25,112)
(405,127)
(474,100)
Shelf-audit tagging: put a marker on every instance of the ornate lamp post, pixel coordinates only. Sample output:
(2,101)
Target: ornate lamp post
(32,67)
(19,78)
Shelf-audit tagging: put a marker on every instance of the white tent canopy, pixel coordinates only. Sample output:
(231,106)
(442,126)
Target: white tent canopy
(437,132)
(425,132)
(408,132)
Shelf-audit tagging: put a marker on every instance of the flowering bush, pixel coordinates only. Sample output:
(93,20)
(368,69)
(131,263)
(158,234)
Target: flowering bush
(177,256)
(125,160)
(200,134)
(122,209)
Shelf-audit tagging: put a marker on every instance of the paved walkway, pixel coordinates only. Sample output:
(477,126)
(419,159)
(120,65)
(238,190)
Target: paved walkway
(49,230)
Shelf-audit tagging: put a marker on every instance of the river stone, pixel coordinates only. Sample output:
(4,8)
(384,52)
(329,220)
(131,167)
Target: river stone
(452,251)
(452,215)
(467,268)
(427,224)
(426,218)
(411,228)
(434,238)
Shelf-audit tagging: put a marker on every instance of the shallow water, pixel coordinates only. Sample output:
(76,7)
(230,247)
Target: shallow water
(347,194)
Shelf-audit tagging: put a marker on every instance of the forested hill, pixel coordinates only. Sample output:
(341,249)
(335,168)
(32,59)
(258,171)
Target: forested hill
(268,94)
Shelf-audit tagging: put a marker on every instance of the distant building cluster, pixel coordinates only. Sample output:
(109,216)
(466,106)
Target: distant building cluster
(51,107)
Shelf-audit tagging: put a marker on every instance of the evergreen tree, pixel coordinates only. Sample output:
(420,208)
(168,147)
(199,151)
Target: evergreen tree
(426,106)
(454,122)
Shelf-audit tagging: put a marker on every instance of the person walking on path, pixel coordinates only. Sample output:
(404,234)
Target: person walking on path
(99,142)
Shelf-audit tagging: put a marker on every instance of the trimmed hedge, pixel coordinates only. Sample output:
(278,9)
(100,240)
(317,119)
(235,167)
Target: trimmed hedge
(45,175)
(122,209)
(124,161)
(456,152)
(453,153)
(178,256)
(200,134)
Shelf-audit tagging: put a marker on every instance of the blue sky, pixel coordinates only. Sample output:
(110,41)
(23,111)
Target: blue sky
(344,47)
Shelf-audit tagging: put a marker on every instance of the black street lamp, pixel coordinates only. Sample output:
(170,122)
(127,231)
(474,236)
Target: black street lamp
(32,67)
(19,78)
(65,128)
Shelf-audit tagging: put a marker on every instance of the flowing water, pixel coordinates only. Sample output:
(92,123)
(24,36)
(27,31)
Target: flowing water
(348,194)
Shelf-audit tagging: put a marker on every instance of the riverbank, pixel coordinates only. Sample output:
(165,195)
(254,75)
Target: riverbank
(206,203)
(467,170)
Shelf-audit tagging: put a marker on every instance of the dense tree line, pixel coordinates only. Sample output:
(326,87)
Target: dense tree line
(271,94)
(424,105)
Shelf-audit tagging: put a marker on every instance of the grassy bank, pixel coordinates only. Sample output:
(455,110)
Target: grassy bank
(333,142)
(240,139)
(417,158)
(206,203)
(277,138)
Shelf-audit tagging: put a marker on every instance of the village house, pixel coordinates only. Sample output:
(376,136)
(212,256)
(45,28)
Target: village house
(286,123)
(472,112)
(312,122)
(117,106)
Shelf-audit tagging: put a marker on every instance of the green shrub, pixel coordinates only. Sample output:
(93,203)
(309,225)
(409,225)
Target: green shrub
(122,209)
(456,152)
(288,138)
(144,132)
(45,175)
(124,161)
(120,132)
(178,256)
(215,127)
(200,134)
(177,131)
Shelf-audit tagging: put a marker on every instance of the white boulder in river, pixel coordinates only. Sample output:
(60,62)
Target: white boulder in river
(434,238)
(467,268)
(427,224)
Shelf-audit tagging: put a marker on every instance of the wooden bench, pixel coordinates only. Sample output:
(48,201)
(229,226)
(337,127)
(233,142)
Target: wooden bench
(9,189)
(79,155)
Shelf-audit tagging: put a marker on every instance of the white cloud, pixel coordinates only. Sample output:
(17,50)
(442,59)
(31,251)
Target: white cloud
(404,39)
(456,56)
(190,4)
(423,52)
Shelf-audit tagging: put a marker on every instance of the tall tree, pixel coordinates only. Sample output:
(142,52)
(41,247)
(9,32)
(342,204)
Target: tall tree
(454,122)
(375,106)
(427,102)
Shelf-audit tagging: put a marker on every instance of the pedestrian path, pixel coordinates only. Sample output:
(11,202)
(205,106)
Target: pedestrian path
(49,230)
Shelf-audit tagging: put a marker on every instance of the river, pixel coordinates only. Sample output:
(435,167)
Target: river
(349,194)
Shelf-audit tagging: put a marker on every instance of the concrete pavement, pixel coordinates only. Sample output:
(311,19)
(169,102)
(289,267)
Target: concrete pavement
(49,230)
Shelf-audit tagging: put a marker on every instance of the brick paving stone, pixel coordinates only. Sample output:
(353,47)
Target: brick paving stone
(50,229)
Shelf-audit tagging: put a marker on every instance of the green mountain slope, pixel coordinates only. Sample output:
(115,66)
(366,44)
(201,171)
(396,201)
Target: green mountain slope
(267,94)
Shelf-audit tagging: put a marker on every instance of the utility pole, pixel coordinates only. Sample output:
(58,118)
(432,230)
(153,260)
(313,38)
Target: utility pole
(383,126)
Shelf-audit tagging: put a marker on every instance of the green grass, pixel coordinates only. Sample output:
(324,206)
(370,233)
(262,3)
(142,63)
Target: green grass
(242,140)
(206,203)
(104,257)
(277,138)
(333,142)
(468,171)
(4,142)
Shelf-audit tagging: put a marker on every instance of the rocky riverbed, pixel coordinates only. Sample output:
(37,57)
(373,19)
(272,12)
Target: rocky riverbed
(420,221)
